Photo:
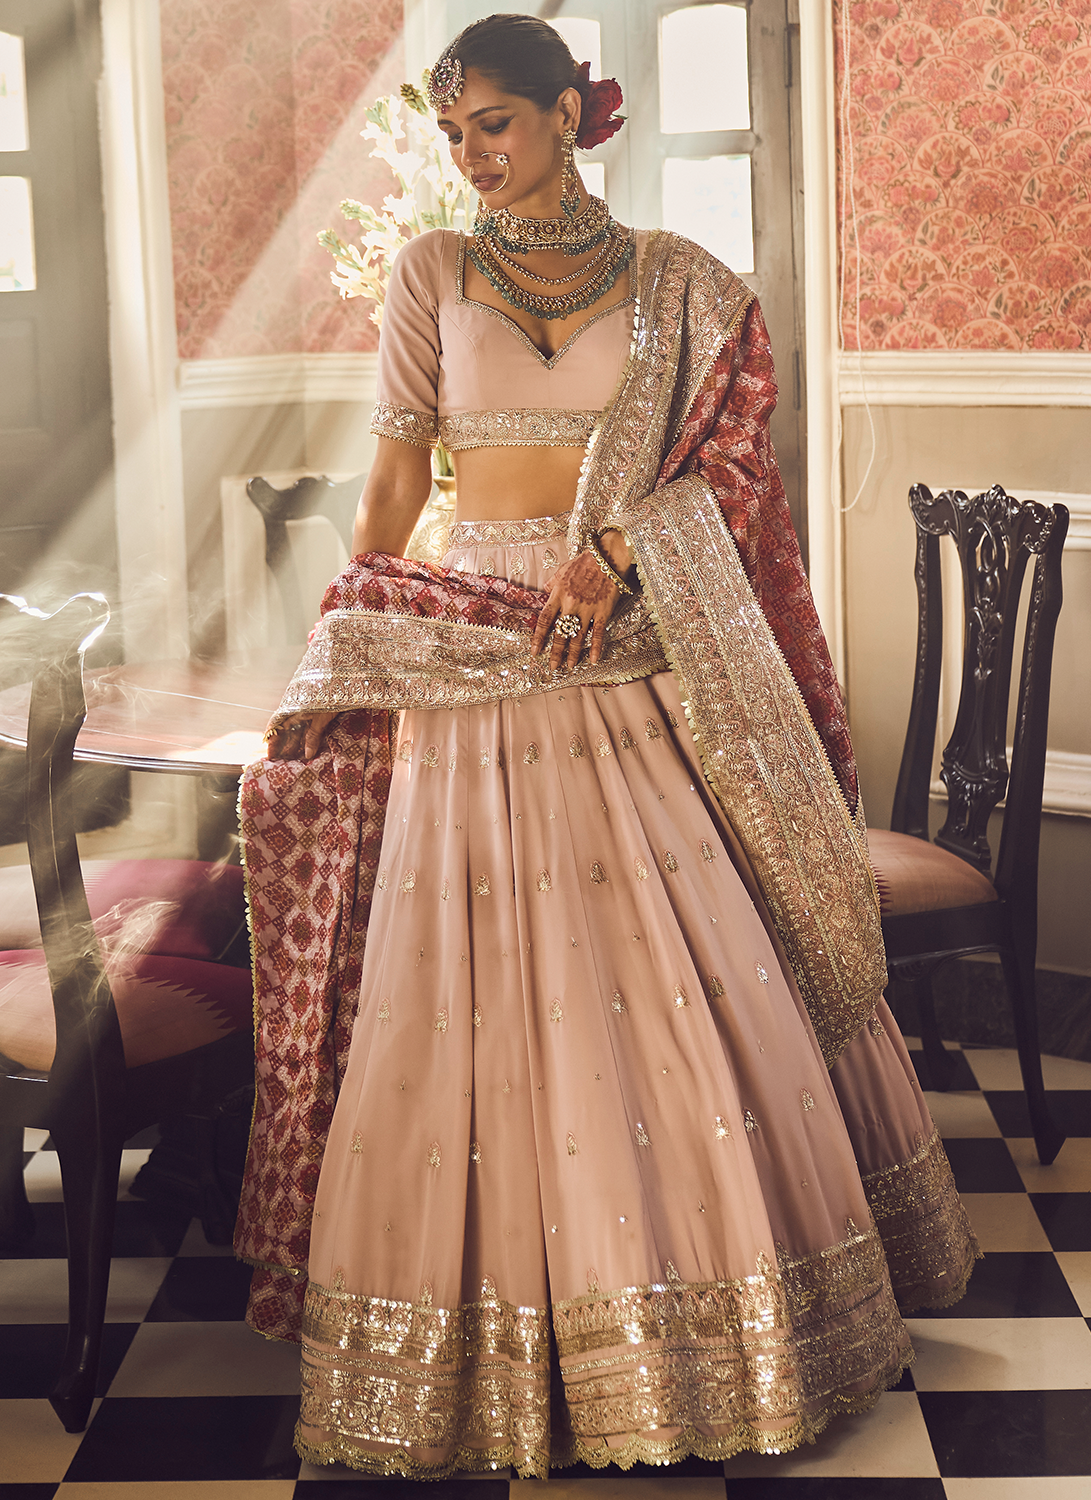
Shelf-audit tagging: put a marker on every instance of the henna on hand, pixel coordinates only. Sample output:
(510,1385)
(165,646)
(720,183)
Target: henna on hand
(300,737)
(579,588)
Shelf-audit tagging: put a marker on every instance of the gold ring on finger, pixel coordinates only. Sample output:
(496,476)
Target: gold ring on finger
(570,626)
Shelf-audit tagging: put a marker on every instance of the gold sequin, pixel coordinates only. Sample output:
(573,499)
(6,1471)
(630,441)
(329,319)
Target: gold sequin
(477,1015)
(440,1023)
(384,1012)
(715,986)
(545,881)
(876,1027)
(592,1281)
(444,891)
(652,730)
(475,1151)
(570,1141)
(405,750)
(339,1280)
(750,1123)
(602,747)
(806,1099)
(618,1004)
(673,1278)
(598,874)
(641,868)
(488,1288)
(434,1154)
(626,740)
(482,886)
(722,1130)
(670,862)
(531,755)
(671,719)
(517,566)
(681,999)
(484,760)
(452,762)
(762,973)
(357,1144)
(575,747)
(409,881)
(507,1087)
(555,1011)
(381,882)
(549,558)
(430,756)
(488,567)
(641,1135)
(708,853)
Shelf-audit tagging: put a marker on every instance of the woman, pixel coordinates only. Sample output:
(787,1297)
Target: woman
(628,1160)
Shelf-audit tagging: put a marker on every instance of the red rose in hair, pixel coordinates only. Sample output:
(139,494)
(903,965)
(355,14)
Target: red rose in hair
(596,125)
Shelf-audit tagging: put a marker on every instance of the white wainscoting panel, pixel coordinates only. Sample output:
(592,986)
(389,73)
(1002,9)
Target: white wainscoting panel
(945,377)
(276,379)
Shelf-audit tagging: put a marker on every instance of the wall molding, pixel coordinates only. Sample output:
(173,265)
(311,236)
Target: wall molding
(949,377)
(1067,788)
(276,380)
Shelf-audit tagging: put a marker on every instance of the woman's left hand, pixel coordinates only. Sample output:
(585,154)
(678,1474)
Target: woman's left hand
(581,589)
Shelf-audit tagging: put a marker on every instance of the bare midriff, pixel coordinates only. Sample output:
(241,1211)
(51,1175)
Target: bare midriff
(514,484)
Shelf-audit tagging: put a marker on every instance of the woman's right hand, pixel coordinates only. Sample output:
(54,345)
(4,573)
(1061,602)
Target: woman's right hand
(299,738)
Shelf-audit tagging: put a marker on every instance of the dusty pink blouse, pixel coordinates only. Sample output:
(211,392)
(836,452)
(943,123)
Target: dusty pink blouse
(462,371)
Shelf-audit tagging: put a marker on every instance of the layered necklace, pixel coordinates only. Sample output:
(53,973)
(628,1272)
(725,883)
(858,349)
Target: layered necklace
(499,234)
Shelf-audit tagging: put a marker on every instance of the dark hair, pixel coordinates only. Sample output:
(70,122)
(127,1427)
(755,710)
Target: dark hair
(522,55)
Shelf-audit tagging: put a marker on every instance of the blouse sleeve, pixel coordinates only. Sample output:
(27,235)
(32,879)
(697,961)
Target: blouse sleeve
(406,404)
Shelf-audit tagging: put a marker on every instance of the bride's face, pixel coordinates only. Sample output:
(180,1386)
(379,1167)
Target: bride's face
(484,122)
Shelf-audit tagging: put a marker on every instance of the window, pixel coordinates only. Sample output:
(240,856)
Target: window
(16,214)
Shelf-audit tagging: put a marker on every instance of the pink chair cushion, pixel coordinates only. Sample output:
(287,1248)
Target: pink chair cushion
(915,876)
(166,1006)
(186,907)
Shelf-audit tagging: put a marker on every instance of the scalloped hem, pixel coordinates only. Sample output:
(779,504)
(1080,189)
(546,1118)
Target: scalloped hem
(639,1449)
(917,1298)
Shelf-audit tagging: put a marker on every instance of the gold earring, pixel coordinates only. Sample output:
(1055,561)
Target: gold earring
(570,182)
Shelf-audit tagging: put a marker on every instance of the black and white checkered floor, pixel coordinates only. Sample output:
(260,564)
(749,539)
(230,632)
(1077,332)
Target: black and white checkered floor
(196,1407)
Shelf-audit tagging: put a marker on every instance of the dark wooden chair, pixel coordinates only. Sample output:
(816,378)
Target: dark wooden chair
(94,1049)
(310,496)
(942,900)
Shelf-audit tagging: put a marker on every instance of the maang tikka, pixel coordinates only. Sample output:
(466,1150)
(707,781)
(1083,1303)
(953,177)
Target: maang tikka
(570,181)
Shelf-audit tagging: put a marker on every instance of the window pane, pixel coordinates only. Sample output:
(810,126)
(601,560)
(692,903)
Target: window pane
(710,202)
(16,236)
(594,177)
(703,73)
(583,38)
(13,94)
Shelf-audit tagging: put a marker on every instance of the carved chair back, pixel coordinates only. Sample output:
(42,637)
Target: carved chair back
(996,537)
(310,496)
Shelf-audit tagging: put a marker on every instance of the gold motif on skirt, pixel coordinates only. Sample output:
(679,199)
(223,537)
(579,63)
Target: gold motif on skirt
(339,1280)
(750,1123)
(708,853)
(549,559)
(626,740)
(575,747)
(357,1144)
(477,1015)
(642,1138)
(762,973)
(570,1142)
(670,862)
(384,1012)
(517,566)
(434,1154)
(475,1155)
(673,1278)
(617,1004)
(488,1288)
(482,886)
(444,891)
(680,998)
(671,719)
(531,755)
(876,1027)
(440,1023)
(652,730)
(805,1099)
(405,750)
(641,868)
(488,567)
(722,1130)
(555,1011)
(715,987)
(409,881)
(452,761)
(483,762)
(602,747)
(598,874)
(430,756)
(592,1282)
(545,881)
(381,882)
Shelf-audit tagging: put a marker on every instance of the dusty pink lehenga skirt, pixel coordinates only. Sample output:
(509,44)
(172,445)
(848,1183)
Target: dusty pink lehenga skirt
(590,1192)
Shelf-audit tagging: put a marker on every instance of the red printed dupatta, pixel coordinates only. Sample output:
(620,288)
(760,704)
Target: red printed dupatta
(760,691)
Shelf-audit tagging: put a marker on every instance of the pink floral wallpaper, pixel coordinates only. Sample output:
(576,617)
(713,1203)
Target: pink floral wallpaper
(964,130)
(264,105)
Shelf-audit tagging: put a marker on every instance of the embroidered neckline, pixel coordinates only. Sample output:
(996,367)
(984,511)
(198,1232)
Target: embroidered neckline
(550,361)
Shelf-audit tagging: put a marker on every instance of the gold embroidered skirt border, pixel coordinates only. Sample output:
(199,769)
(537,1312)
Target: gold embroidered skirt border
(509,533)
(926,1234)
(645,1373)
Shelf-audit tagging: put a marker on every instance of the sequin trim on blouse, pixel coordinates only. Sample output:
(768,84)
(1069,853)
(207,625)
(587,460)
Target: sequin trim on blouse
(420,428)
(517,427)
